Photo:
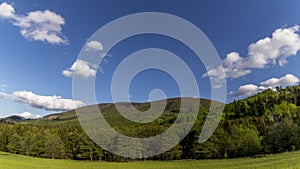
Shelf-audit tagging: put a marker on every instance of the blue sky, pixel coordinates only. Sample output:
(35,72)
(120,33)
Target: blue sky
(34,53)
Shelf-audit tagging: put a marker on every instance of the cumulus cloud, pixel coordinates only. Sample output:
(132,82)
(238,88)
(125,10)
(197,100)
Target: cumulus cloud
(94,46)
(28,115)
(3,95)
(284,43)
(247,90)
(250,89)
(81,69)
(43,26)
(54,103)
(6,11)
(286,80)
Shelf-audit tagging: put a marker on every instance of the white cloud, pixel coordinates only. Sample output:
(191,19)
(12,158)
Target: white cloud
(94,46)
(82,69)
(6,11)
(43,26)
(56,103)
(284,43)
(286,80)
(272,83)
(28,115)
(3,95)
(247,90)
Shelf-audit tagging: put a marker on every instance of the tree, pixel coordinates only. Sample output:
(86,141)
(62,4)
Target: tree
(26,142)
(190,145)
(286,109)
(174,153)
(284,136)
(216,145)
(250,142)
(69,145)
(14,144)
(4,135)
(54,146)
(37,146)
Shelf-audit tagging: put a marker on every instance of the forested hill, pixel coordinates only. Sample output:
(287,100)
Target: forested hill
(278,103)
(267,122)
(275,103)
(112,115)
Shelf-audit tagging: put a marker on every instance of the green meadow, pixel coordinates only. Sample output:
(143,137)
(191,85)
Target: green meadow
(278,161)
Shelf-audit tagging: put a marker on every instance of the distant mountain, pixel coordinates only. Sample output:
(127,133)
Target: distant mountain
(13,119)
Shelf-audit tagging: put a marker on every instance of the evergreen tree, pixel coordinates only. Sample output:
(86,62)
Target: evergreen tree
(14,145)
(54,146)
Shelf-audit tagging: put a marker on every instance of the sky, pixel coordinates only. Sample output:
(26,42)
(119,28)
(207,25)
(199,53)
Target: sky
(257,41)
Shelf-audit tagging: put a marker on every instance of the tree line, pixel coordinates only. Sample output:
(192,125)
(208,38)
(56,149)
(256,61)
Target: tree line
(61,142)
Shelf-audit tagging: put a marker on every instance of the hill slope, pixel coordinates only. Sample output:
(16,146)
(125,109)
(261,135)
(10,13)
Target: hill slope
(112,115)
(263,103)
(13,119)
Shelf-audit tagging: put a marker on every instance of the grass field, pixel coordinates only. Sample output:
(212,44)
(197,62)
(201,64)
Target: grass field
(280,161)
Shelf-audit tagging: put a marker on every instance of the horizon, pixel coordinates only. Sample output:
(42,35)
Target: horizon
(29,116)
(142,102)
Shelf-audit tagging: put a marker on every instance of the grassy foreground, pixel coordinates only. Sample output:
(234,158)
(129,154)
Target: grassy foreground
(280,161)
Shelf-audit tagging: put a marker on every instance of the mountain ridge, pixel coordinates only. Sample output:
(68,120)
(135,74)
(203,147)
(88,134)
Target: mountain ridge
(172,106)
